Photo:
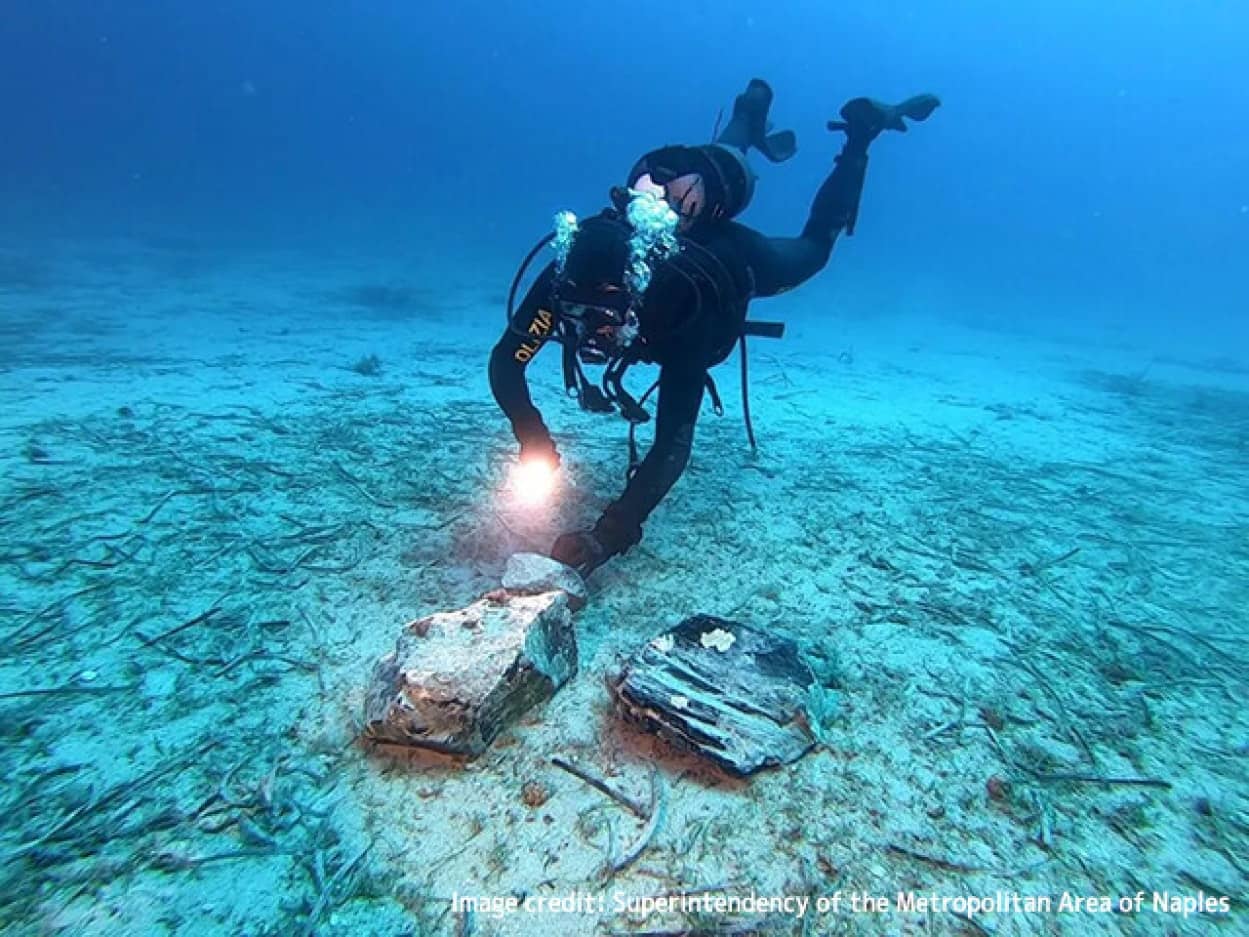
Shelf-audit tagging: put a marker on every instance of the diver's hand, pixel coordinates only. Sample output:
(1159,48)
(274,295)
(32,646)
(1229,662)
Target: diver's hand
(587,550)
(582,550)
(539,447)
(535,476)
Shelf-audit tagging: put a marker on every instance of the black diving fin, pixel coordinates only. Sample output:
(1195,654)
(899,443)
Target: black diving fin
(749,127)
(871,116)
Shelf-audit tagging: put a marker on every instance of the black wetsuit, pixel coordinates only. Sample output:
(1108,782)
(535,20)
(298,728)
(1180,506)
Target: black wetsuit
(757,265)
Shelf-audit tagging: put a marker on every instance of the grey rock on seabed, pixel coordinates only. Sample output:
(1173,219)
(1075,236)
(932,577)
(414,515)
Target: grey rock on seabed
(726,691)
(456,679)
(530,573)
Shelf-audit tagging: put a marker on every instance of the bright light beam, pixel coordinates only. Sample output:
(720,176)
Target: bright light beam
(533,481)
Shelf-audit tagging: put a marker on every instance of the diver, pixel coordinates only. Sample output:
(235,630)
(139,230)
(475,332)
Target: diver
(664,276)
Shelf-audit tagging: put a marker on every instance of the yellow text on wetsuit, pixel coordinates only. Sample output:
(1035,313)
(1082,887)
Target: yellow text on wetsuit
(540,329)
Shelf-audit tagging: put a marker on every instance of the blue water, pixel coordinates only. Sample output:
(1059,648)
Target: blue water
(1091,157)
(252,262)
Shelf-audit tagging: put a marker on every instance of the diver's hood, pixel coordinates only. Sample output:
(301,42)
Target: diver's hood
(727,177)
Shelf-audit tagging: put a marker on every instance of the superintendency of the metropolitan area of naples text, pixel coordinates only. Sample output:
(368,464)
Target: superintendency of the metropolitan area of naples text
(1183,904)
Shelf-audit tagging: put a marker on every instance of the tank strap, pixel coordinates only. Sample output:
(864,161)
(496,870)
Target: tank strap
(634,459)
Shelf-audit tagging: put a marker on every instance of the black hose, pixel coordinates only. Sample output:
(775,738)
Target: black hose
(520,273)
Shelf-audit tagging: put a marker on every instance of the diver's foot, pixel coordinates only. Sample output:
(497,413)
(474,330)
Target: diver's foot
(748,126)
(750,116)
(917,108)
(864,118)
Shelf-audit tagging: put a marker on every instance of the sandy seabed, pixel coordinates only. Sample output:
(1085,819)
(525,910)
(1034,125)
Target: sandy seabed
(228,482)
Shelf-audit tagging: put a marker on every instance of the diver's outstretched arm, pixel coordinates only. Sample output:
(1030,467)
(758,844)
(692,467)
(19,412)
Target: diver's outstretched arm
(620,527)
(525,336)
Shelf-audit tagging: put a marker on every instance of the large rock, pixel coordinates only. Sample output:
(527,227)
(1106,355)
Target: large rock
(456,679)
(724,690)
(533,573)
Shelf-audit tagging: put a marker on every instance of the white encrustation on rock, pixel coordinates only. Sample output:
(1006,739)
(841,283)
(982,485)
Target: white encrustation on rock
(663,643)
(718,638)
(457,679)
(533,574)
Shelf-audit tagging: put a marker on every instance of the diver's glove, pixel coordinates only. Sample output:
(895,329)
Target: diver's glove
(536,443)
(580,550)
(863,118)
(587,550)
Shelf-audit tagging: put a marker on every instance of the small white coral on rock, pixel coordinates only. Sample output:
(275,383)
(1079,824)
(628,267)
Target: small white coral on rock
(663,643)
(719,639)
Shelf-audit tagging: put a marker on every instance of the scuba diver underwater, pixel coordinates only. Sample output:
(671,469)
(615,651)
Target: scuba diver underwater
(664,276)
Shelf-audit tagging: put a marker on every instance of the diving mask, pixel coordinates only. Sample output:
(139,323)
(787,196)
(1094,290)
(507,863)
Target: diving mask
(603,332)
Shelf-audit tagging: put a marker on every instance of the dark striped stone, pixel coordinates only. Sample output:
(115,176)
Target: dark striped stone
(726,691)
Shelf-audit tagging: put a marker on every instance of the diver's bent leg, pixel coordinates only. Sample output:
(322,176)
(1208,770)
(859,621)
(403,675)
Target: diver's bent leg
(780,264)
(836,204)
